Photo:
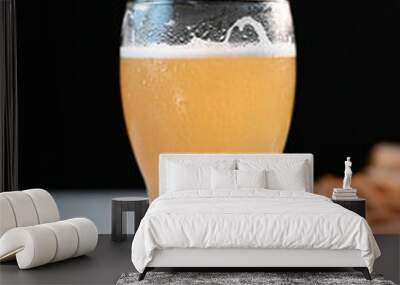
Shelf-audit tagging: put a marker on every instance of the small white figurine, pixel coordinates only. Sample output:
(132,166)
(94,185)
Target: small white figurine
(347,174)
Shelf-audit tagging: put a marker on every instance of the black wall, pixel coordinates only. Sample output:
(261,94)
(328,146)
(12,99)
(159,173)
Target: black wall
(348,83)
(72,133)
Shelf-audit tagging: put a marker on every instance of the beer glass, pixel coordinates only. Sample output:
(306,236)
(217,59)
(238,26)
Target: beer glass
(206,77)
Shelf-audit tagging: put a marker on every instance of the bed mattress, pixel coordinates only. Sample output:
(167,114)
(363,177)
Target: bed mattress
(250,219)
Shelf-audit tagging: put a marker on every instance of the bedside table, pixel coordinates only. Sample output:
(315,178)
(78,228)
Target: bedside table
(358,206)
(138,205)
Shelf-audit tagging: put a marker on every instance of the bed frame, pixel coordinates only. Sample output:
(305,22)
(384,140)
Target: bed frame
(246,259)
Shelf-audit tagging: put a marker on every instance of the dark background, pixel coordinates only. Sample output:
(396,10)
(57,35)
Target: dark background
(72,133)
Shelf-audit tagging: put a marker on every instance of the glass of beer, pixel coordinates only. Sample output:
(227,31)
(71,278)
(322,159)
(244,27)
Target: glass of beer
(206,77)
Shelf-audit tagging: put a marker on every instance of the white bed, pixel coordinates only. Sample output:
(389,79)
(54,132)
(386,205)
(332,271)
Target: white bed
(250,227)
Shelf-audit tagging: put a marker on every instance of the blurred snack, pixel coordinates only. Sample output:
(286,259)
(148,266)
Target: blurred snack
(386,156)
(379,183)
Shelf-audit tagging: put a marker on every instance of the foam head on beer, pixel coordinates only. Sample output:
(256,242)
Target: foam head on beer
(207,97)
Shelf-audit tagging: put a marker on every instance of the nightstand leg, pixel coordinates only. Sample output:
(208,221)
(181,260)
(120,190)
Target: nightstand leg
(117,225)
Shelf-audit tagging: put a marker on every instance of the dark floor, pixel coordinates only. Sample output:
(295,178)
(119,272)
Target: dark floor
(111,259)
(103,266)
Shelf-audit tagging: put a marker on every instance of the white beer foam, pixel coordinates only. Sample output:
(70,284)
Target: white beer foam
(203,48)
(167,51)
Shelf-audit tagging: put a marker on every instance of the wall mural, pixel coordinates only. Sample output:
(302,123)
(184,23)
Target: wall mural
(206,78)
(309,77)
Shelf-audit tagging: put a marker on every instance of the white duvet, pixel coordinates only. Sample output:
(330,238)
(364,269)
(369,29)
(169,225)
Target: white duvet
(251,218)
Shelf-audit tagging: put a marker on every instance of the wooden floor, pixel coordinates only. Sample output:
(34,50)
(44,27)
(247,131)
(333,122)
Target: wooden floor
(103,266)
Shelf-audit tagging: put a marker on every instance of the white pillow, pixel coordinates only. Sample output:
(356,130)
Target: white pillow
(281,174)
(185,177)
(237,179)
(223,179)
(189,174)
(251,178)
(289,179)
(205,162)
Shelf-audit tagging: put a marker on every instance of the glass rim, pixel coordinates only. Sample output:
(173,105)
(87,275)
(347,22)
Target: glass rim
(191,2)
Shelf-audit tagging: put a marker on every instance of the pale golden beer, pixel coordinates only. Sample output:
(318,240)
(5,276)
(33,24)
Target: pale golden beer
(206,77)
(234,104)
